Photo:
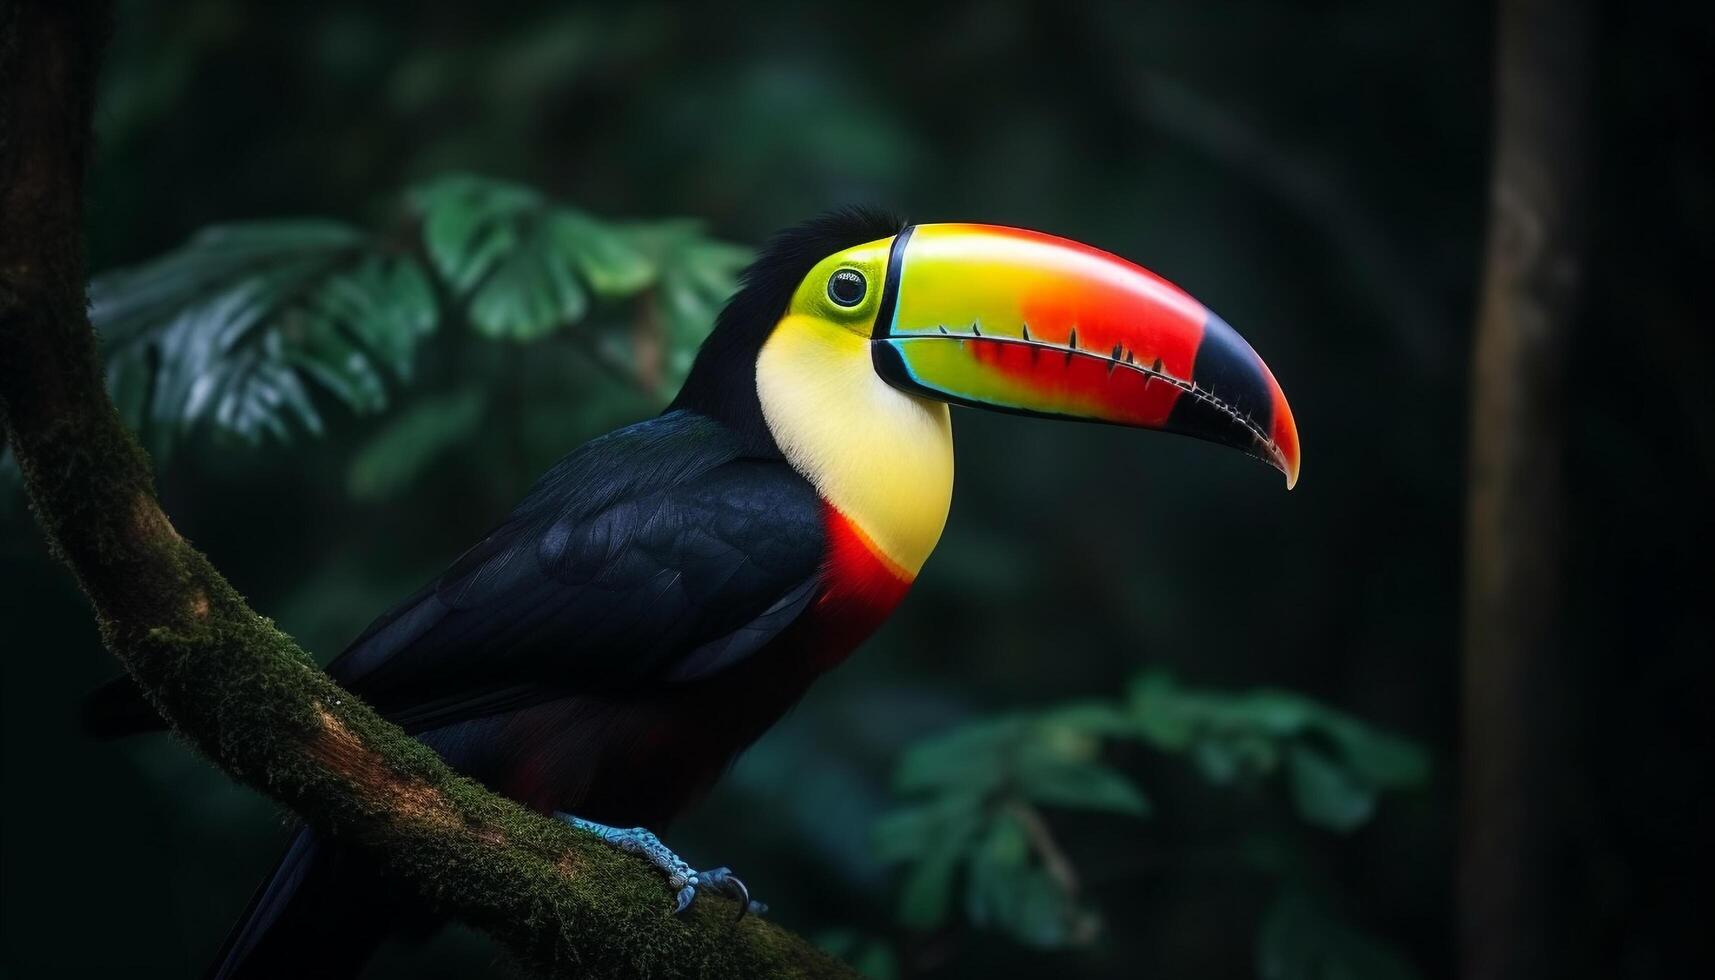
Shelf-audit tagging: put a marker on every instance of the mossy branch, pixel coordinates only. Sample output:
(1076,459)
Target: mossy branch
(231,683)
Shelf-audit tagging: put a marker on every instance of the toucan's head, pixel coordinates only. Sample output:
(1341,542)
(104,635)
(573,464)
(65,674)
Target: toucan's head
(998,318)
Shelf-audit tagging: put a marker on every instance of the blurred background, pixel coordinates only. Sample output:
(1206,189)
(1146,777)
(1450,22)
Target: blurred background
(365,269)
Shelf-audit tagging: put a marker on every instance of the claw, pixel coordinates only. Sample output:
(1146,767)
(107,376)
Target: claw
(723,881)
(680,877)
(743,898)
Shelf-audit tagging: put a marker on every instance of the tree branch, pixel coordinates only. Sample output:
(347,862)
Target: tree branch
(230,683)
(1515,833)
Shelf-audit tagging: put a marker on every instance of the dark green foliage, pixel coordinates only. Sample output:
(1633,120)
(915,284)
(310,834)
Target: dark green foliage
(251,330)
(233,329)
(974,793)
(243,327)
(694,276)
(972,821)
(524,267)
(1009,889)
(1335,765)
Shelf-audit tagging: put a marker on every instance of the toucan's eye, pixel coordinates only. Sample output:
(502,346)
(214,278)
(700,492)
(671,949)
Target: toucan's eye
(846,287)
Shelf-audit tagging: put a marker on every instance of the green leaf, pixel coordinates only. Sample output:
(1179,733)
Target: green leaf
(972,758)
(127,301)
(928,890)
(1335,764)
(998,865)
(250,329)
(1385,761)
(1162,714)
(386,303)
(608,260)
(533,291)
(469,224)
(1325,793)
(1008,890)
(1092,718)
(237,329)
(400,452)
(1043,916)
(1276,713)
(316,346)
(1083,786)
(696,276)
(528,268)
(908,833)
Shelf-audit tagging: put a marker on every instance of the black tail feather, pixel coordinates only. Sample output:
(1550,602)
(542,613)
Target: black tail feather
(321,914)
(323,910)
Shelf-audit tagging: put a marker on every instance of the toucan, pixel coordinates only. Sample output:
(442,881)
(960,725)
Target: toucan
(665,592)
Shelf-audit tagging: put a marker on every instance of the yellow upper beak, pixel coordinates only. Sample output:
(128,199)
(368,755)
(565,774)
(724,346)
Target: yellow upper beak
(1019,321)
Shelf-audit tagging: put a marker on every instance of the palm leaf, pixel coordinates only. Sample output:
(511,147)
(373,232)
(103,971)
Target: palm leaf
(237,330)
(254,329)
(525,266)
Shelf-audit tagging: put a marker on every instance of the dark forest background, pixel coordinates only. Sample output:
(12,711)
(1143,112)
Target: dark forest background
(1218,725)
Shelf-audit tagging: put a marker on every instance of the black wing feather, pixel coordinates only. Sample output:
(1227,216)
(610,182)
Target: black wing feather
(656,553)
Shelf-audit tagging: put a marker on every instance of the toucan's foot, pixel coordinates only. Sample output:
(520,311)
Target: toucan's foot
(681,876)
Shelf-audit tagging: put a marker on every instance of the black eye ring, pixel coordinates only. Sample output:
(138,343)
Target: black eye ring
(847,287)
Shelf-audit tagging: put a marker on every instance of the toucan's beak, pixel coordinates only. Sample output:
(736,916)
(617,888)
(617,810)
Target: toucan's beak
(1023,322)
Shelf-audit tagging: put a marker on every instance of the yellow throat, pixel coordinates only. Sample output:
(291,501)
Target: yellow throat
(882,458)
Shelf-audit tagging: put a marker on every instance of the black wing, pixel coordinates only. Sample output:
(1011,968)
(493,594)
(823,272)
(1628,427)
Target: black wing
(655,554)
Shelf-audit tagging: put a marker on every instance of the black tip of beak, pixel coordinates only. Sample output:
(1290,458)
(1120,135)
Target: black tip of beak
(1234,400)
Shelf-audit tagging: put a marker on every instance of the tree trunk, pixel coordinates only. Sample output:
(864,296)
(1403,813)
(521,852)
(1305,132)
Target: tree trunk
(1514,911)
(226,679)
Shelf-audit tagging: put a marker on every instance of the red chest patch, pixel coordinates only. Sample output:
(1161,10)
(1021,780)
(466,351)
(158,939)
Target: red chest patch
(860,587)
